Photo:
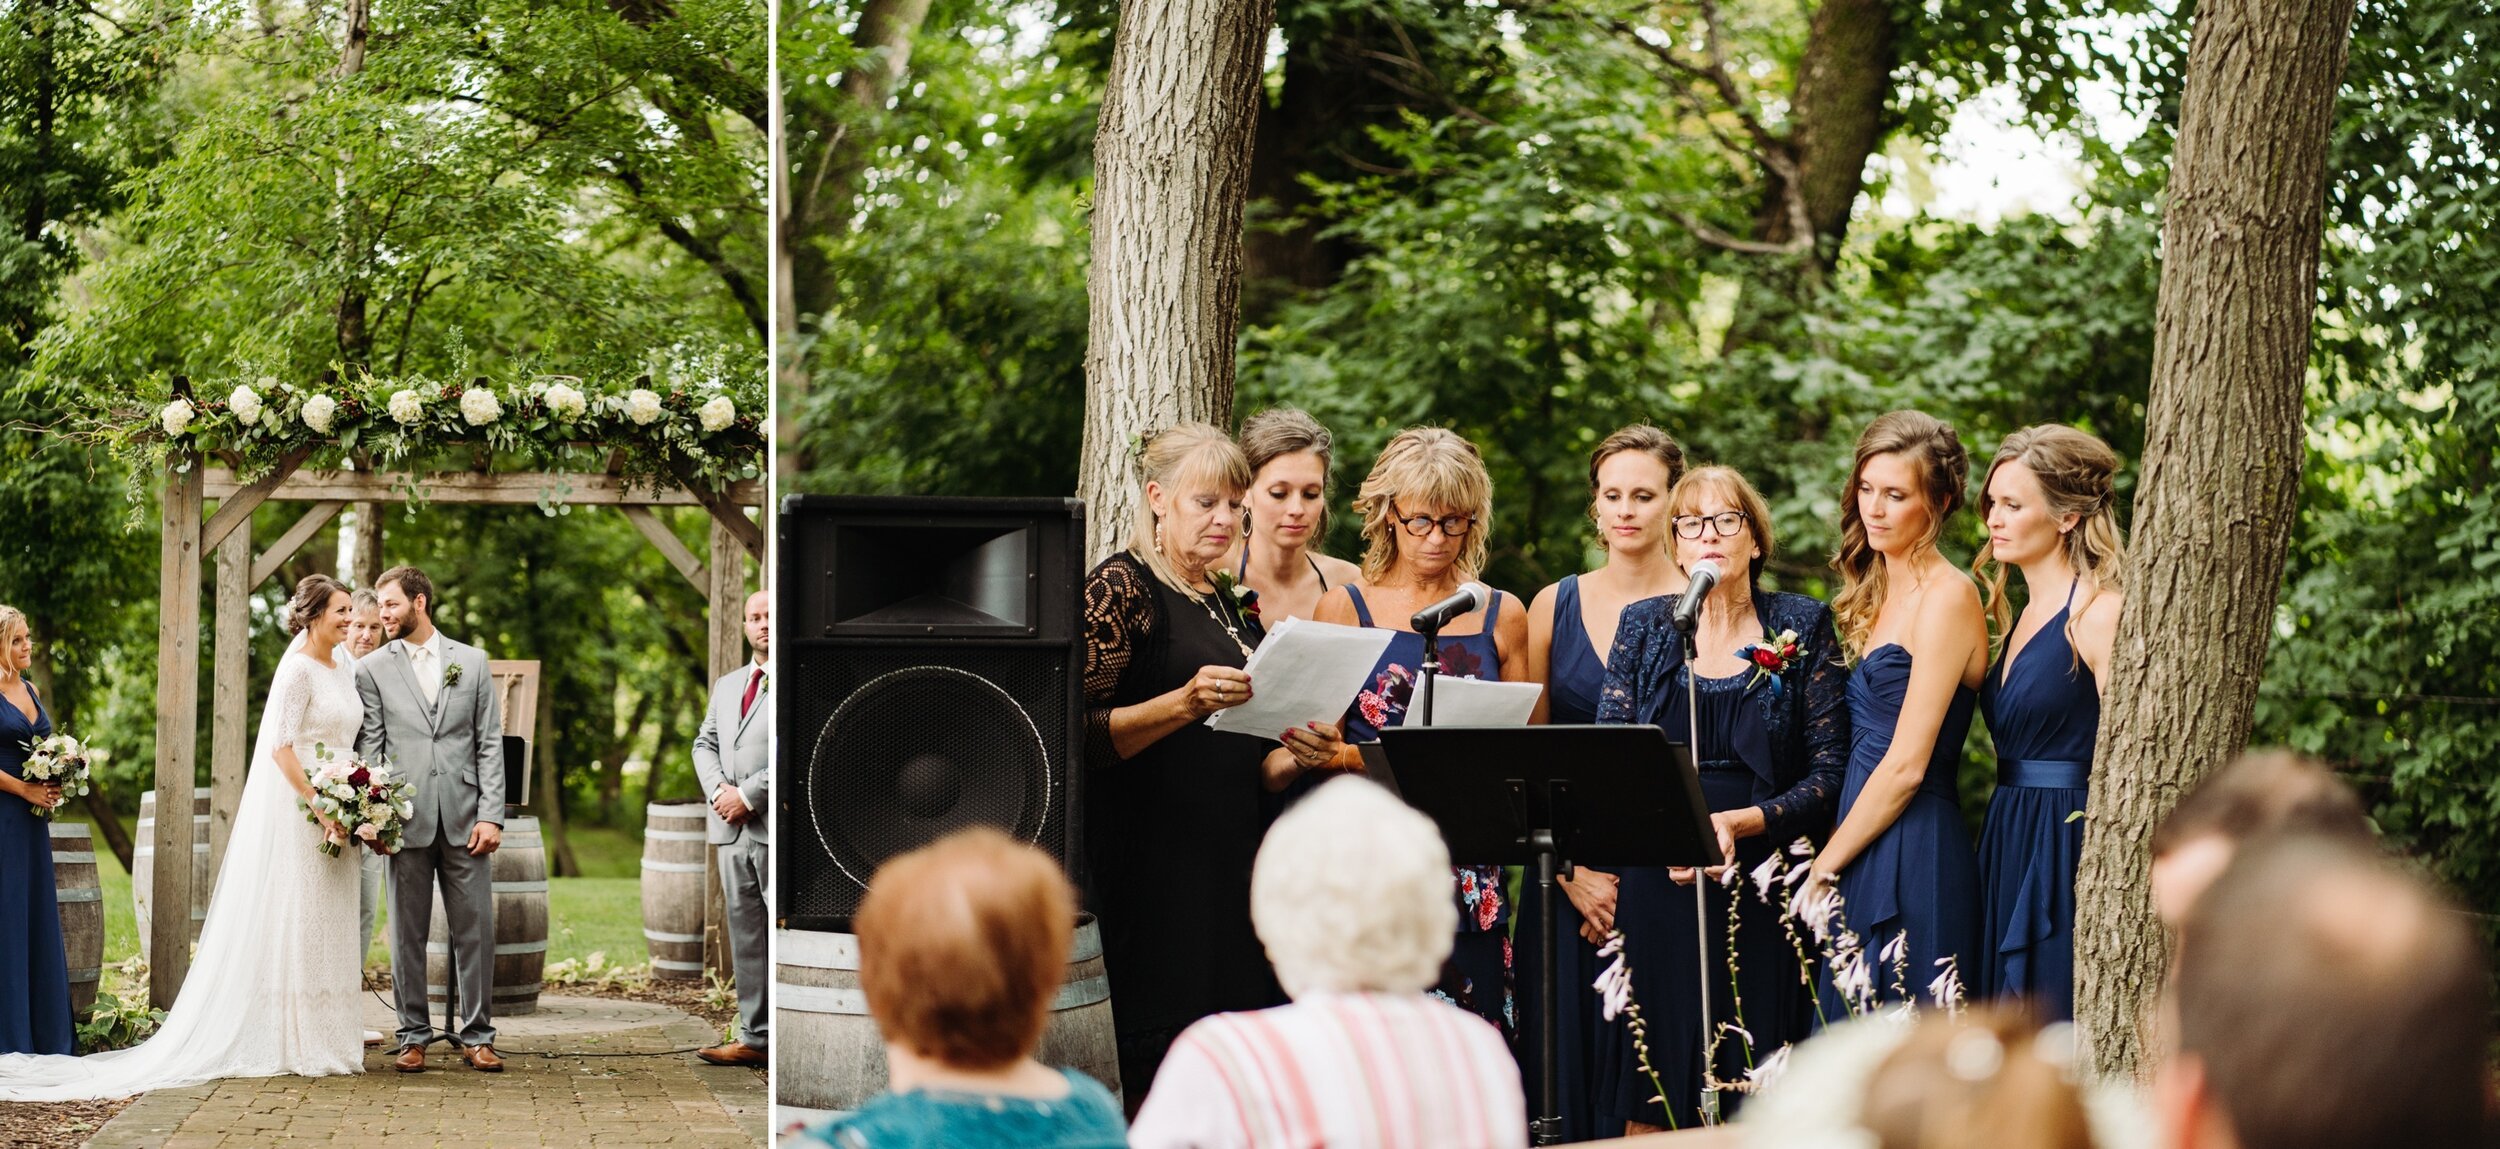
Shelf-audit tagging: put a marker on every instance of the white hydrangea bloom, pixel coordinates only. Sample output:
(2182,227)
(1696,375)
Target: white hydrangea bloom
(565,402)
(318,411)
(642,405)
(718,413)
(246,405)
(406,406)
(478,406)
(177,416)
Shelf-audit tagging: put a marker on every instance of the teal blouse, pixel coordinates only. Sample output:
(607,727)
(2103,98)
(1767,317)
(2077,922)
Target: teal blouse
(1087,1118)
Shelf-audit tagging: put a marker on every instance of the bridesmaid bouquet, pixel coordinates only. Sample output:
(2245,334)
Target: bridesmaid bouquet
(57,760)
(371,802)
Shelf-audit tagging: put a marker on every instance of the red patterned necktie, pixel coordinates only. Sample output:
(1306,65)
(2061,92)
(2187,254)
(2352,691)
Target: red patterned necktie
(755,682)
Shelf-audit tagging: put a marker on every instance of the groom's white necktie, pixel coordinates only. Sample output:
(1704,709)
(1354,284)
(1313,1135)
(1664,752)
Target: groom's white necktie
(429,676)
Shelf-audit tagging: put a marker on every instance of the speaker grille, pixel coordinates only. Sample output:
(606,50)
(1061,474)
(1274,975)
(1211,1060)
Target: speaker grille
(908,742)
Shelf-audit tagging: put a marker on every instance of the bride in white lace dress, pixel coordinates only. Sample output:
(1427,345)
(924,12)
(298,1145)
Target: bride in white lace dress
(274,983)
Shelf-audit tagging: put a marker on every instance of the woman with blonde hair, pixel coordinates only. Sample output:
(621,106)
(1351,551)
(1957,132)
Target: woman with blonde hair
(34,1008)
(2047,499)
(1901,855)
(1279,556)
(1174,808)
(1427,509)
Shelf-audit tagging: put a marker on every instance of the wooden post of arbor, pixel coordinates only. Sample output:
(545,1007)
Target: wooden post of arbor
(727,595)
(229,690)
(177,724)
(189,532)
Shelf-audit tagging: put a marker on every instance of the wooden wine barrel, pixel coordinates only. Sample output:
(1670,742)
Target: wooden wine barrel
(82,911)
(143,865)
(826,1052)
(672,888)
(520,877)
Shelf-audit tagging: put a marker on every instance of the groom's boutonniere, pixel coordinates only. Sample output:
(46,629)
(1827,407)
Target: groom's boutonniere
(451,674)
(1771,657)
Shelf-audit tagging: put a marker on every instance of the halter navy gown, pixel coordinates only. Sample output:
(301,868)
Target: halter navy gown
(1919,876)
(1478,976)
(2045,714)
(1574,674)
(34,968)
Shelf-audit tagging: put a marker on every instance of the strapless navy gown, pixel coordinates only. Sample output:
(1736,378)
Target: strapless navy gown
(1919,877)
(2045,714)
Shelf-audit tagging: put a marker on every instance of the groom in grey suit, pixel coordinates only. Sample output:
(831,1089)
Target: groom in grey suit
(734,759)
(431,711)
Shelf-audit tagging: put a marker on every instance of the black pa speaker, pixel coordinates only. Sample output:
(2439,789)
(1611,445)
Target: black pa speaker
(931,679)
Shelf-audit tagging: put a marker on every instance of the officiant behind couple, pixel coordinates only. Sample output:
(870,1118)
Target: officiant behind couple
(274,981)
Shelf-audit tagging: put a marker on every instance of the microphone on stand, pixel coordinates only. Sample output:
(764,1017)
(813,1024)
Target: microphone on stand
(1703,579)
(1473,596)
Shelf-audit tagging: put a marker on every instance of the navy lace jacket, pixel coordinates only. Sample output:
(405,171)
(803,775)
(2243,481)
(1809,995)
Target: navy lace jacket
(1799,751)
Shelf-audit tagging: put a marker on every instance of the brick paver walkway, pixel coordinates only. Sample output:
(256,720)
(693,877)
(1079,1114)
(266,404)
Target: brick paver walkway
(572,1097)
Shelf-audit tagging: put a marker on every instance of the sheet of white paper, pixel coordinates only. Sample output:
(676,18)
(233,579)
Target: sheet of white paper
(1303,671)
(1472,702)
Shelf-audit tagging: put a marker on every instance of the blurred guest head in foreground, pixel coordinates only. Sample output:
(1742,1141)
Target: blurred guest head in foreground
(962,944)
(1990,1078)
(2261,794)
(2325,999)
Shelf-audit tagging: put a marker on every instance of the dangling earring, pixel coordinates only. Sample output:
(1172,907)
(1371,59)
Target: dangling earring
(1158,534)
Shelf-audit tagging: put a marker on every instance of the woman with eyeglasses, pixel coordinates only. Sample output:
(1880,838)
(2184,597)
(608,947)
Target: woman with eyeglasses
(1774,743)
(1427,508)
(1571,627)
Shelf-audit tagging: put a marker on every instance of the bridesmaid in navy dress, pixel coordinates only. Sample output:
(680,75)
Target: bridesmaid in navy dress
(1902,856)
(2047,501)
(1571,626)
(34,989)
(1773,746)
(1427,506)
(1286,517)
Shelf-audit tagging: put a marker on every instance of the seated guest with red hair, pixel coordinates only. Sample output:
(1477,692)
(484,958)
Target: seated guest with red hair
(962,944)
(1351,897)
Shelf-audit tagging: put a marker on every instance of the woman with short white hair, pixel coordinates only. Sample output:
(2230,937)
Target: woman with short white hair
(1351,897)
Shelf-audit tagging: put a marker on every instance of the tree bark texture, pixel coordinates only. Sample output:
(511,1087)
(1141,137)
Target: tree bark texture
(2221,471)
(817,203)
(1843,84)
(1171,175)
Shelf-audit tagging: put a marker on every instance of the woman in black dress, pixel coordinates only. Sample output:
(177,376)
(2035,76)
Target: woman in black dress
(1174,808)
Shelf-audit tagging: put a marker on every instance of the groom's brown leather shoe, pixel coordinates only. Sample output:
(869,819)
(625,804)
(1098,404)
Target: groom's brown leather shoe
(411,1059)
(481,1058)
(734,1053)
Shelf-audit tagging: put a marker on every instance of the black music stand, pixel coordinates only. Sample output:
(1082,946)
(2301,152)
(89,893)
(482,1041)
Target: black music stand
(1552,797)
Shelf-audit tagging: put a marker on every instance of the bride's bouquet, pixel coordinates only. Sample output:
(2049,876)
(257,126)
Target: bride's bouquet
(57,760)
(372,803)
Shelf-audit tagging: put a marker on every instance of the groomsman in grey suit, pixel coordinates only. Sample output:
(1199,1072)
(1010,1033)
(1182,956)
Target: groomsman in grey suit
(733,757)
(430,709)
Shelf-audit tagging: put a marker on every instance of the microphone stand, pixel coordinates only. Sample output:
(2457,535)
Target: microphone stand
(1422,709)
(1701,882)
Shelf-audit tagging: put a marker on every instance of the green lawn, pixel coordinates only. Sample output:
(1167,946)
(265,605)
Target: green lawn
(602,913)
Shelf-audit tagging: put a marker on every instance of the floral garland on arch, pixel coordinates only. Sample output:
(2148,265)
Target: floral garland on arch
(705,430)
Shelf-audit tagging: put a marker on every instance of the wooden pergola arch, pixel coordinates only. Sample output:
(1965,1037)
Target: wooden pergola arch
(190,533)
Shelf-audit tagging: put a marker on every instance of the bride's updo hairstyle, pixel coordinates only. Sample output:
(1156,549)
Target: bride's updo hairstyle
(312,597)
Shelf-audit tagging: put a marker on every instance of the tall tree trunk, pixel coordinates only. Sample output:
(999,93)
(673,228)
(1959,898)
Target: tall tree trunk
(1171,175)
(1838,119)
(355,334)
(1335,91)
(549,781)
(2221,472)
(817,203)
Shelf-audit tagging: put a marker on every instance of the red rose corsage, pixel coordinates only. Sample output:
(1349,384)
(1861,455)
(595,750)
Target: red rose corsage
(1772,657)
